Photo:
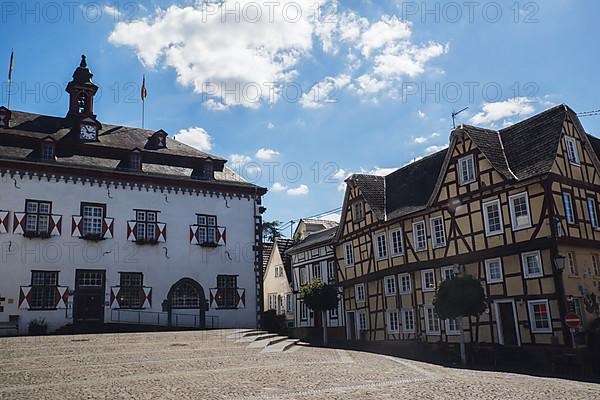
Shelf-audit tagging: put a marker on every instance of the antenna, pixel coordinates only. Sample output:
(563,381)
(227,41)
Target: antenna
(455,113)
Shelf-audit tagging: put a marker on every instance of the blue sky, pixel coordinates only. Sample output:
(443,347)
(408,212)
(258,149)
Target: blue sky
(365,86)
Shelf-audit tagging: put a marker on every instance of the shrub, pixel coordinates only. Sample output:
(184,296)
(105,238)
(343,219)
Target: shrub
(38,326)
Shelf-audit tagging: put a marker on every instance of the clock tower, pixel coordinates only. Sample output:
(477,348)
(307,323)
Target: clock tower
(81,102)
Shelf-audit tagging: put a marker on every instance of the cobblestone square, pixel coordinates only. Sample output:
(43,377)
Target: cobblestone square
(207,365)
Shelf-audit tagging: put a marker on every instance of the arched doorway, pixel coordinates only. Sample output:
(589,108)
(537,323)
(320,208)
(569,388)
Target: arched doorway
(185,298)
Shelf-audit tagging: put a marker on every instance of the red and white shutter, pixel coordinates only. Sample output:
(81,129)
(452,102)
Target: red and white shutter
(161,232)
(194,234)
(55,225)
(62,297)
(147,299)
(107,228)
(131,231)
(213,298)
(221,236)
(3,221)
(114,297)
(241,298)
(24,297)
(19,223)
(77,226)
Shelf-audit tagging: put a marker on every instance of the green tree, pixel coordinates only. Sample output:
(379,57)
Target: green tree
(320,297)
(270,230)
(459,297)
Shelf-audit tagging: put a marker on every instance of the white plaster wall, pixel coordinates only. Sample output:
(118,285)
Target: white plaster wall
(278,285)
(177,210)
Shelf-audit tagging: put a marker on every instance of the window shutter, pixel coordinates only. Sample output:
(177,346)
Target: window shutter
(213,298)
(114,296)
(241,294)
(161,236)
(62,297)
(131,231)
(147,299)
(107,228)
(221,236)
(77,226)
(19,223)
(55,225)
(194,234)
(24,297)
(3,221)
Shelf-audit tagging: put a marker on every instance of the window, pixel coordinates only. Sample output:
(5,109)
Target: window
(449,272)
(381,246)
(593,213)
(452,327)
(572,152)
(289,302)
(91,279)
(519,211)
(146,225)
(37,216)
(362,321)
(420,236)
(227,291)
(408,320)
(316,271)
(569,212)
(81,102)
(595,265)
(539,316)
(331,272)
(348,254)
(571,265)
(43,290)
(466,170)
(405,285)
(47,151)
(135,161)
(393,322)
(493,270)
(303,311)
(358,211)
(207,170)
(130,290)
(185,295)
(272,301)
(389,285)
(432,322)
(532,264)
(428,280)
(396,242)
(359,293)
(438,234)
(207,228)
(93,215)
(493,217)
(302,273)
(333,313)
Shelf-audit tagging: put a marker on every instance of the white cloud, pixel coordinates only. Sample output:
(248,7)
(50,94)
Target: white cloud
(112,11)
(270,125)
(435,148)
(324,92)
(421,114)
(301,190)
(494,112)
(335,217)
(425,139)
(243,165)
(387,30)
(266,154)
(195,137)
(278,187)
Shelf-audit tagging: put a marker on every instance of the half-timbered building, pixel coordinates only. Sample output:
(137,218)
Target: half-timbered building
(516,208)
(102,223)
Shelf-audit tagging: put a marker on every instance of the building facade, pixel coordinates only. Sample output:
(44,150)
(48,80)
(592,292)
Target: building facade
(277,279)
(111,224)
(515,208)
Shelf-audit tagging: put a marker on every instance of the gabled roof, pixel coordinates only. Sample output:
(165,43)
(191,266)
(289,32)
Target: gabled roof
(315,239)
(488,141)
(282,245)
(372,188)
(595,142)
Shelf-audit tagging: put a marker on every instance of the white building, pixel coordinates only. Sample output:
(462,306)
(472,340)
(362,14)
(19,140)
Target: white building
(110,224)
(277,278)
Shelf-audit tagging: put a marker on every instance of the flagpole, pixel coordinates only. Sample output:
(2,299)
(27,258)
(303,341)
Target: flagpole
(10,69)
(143,111)
(143,94)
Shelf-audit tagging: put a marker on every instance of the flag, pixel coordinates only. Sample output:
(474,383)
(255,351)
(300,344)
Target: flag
(144,92)
(11,65)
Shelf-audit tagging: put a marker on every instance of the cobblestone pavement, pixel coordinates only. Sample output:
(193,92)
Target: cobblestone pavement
(204,365)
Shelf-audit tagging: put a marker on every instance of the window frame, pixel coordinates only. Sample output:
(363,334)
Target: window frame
(434,242)
(386,287)
(424,287)
(362,315)
(449,330)
(48,145)
(381,251)
(316,271)
(488,277)
(596,264)
(389,325)
(428,308)
(46,289)
(331,272)
(129,291)
(400,242)
(37,214)
(146,223)
(227,300)
(135,161)
(85,205)
(526,273)
(400,283)
(357,290)
(571,263)
(358,216)
(349,259)
(593,211)
(404,320)
(570,211)
(513,217)
(532,321)
(450,268)
(484,208)
(415,236)
(576,159)
(461,180)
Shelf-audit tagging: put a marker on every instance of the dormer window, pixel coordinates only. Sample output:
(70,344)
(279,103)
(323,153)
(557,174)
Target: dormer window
(47,152)
(82,103)
(207,170)
(158,140)
(135,161)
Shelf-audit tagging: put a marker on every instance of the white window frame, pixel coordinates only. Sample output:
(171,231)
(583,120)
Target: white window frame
(362,315)
(404,320)
(381,246)
(488,274)
(534,328)
(395,252)
(467,160)
(571,263)
(389,291)
(390,321)
(513,217)
(400,283)
(415,236)
(357,291)
(349,254)
(423,280)
(427,308)
(526,272)
(303,311)
(571,144)
(484,208)
(449,331)
(568,206)
(593,211)
(358,211)
(331,271)
(596,264)
(450,268)
(434,238)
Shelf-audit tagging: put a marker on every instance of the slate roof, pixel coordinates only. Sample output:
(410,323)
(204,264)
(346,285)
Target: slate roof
(372,188)
(315,239)
(488,141)
(283,245)
(595,144)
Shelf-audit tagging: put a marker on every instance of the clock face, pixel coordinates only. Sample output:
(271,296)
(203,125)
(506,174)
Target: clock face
(88,132)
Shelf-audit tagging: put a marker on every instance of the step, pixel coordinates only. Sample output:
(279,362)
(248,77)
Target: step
(280,346)
(262,343)
(240,333)
(255,337)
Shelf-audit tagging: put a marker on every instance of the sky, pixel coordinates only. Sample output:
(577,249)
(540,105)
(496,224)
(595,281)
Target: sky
(298,95)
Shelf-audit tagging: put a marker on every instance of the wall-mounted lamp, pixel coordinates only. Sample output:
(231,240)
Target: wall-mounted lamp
(559,263)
